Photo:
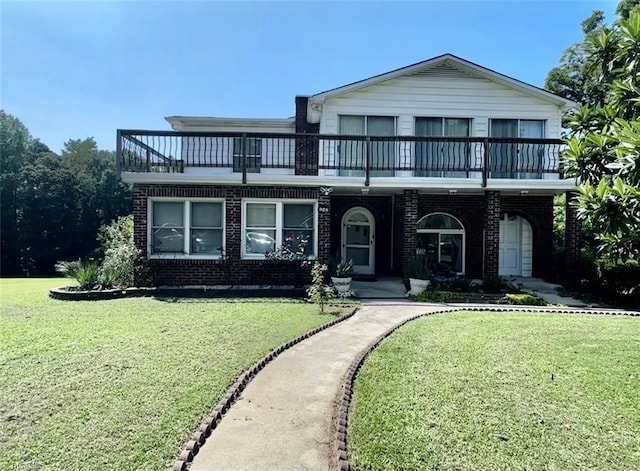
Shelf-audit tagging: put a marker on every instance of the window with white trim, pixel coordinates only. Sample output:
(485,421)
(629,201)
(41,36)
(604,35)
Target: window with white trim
(268,226)
(186,227)
(441,238)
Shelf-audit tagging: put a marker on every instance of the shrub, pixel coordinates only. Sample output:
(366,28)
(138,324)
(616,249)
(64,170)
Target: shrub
(85,273)
(618,280)
(120,252)
(458,284)
(418,267)
(497,285)
(525,299)
(433,296)
(344,269)
(319,292)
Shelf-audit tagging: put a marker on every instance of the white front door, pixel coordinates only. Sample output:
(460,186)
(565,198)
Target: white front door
(358,240)
(510,262)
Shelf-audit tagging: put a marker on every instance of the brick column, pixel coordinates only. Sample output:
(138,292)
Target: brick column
(572,234)
(491,235)
(306,152)
(140,218)
(324,228)
(233,236)
(410,221)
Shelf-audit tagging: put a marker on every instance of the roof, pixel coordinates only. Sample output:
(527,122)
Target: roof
(453,61)
(179,122)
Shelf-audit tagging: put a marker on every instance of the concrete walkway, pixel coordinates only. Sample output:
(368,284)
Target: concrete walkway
(283,420)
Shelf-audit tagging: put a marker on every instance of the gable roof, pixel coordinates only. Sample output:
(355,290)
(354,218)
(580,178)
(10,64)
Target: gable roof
(455,62)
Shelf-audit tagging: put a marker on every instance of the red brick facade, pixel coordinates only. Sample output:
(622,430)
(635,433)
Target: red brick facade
(396,218)
(233,270)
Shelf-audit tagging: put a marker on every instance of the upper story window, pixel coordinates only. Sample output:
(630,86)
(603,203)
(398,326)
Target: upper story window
(512,159)
(186,227)
(254,154)
(382,152)
(269,225)
(442,158)
(532,128)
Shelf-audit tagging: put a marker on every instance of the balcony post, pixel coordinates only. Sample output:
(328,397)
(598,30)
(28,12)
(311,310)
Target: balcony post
(244,158)
(485,162)
(367,153)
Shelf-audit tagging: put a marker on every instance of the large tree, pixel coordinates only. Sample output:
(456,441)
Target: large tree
(52,206)
(604,141)
(15,141)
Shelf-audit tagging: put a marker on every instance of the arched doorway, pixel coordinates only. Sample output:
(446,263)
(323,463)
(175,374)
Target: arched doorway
(441,238)
(358,240)
(516,246)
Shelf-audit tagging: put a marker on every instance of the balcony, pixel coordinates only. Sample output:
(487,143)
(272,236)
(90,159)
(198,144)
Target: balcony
(335,156)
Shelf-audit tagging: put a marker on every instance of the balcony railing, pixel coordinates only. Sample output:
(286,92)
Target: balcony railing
(337,155)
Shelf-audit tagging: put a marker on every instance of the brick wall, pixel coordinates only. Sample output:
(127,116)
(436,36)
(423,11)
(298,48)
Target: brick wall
(538,211)
(180,272)
(411,205)
(469,210)
(380,207)
(399,243)
(480,215)
(492,234)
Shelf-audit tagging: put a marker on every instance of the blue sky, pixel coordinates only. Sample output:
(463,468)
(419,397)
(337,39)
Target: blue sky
(72,70)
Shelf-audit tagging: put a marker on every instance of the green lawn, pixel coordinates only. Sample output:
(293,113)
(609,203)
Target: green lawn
(496,391)
(122,384)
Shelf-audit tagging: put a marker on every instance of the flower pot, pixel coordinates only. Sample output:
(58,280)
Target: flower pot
(418,286)
(341,285)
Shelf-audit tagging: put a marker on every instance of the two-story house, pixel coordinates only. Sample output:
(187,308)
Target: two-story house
(442,157)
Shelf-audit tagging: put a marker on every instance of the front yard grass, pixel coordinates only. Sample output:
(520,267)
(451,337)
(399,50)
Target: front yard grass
(496,391)
(122,384)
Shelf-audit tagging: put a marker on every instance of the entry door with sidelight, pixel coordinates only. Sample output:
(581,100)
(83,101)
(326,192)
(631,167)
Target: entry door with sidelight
(358,240)
(510,246)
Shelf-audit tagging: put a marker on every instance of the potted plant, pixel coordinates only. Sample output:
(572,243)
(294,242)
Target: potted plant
(341,277)
(418,274)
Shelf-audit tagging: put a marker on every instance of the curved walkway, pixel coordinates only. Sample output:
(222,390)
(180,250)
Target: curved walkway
(284,418)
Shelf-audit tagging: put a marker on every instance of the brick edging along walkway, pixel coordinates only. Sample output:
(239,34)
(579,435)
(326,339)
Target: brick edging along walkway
(191,448)
(348,381)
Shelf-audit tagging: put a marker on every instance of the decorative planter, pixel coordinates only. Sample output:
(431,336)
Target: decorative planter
(418,286)
(342,286)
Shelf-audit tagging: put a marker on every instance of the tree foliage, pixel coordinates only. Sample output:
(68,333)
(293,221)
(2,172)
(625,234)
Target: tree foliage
(52,206)
(603,149)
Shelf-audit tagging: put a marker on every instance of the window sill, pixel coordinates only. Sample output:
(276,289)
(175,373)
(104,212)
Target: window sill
(182,256)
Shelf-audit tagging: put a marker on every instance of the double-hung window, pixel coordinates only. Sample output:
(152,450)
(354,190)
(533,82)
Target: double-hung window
(287,226)
(442,157)
(253,152)
(187,228)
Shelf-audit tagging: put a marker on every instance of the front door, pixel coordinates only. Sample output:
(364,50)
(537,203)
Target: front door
(510,246)
(358,240)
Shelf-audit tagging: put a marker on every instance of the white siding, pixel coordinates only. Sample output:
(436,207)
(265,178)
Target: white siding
(441,91)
